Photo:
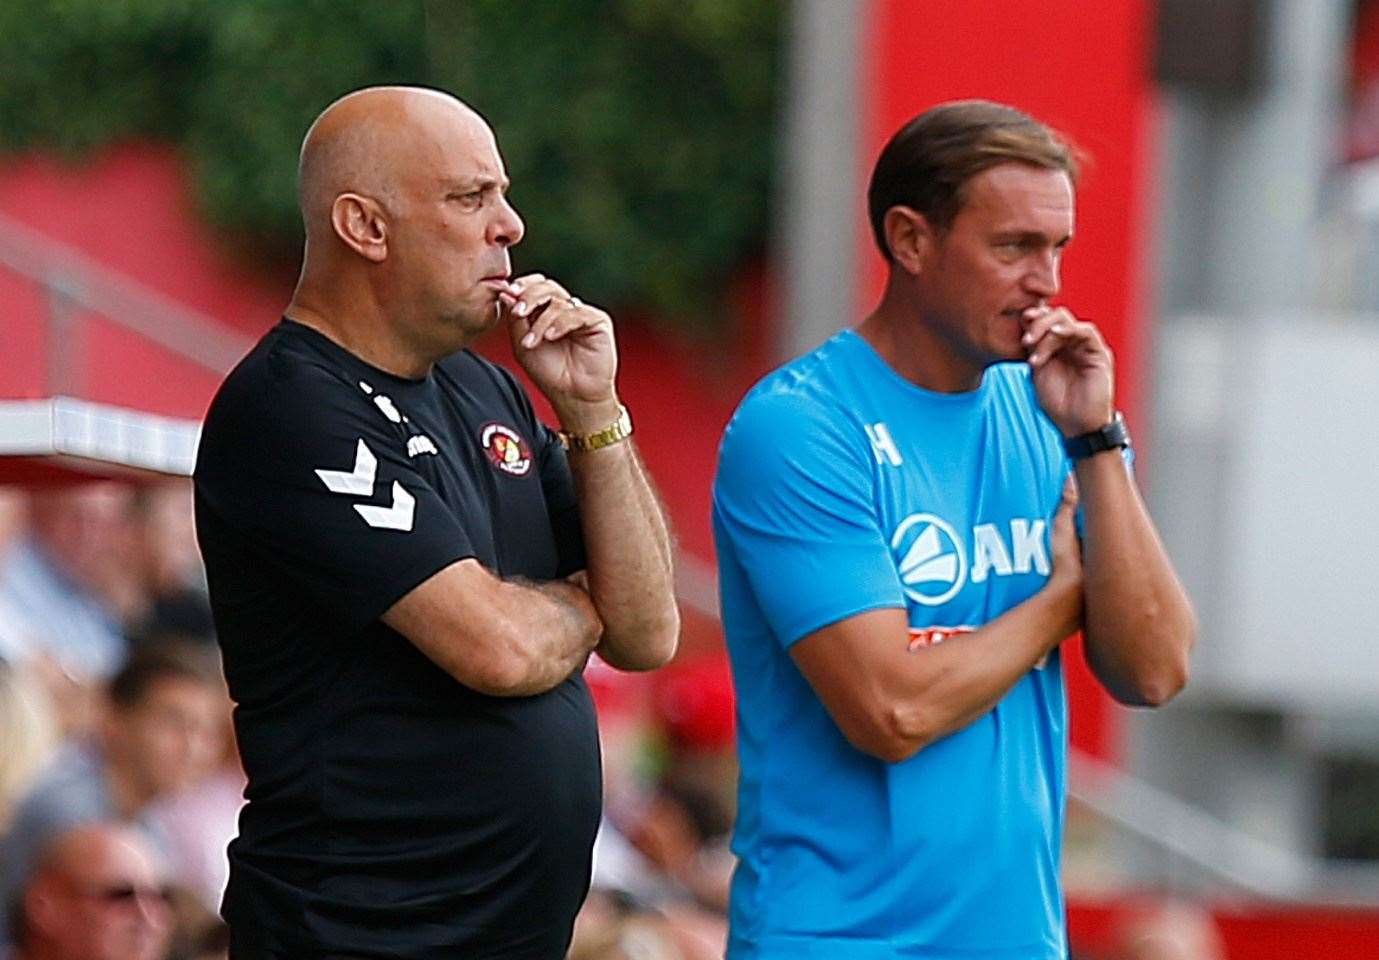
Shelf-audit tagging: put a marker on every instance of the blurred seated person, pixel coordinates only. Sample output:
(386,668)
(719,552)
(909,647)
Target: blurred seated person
(658,894)
(61,581)
(160,734)
(14,518)
(96,892)
(28,736)
(165,596)
(683,830)
(197,824)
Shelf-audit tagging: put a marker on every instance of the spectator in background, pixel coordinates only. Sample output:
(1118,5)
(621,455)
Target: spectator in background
(683,831)
(14,507)
(161,733)
(197,824)
(60,583)
(96,893)
(28,735)
(166,596)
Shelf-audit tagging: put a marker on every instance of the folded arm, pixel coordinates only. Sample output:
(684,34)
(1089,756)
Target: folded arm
(505,638)
(891,702)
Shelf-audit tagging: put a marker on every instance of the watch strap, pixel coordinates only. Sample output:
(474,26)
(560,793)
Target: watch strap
(1113,436)
(617,431)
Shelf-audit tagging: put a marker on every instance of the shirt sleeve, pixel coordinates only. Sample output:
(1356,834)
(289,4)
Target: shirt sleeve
(308,488)
(795,500)
(558,486)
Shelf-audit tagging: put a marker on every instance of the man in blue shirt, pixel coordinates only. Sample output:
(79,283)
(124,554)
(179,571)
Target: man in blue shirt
(899,561)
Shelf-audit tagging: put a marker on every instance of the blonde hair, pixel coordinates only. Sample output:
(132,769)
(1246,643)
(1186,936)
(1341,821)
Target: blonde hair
(28,735)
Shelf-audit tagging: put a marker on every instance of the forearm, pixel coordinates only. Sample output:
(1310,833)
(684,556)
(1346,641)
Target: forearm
(953,683)
(555,628)
(891,703)
(1139,625)
(628,548)
(506,638)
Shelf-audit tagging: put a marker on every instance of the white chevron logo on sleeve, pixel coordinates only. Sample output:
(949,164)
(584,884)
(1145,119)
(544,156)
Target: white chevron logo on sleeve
(396,517)
(359,483)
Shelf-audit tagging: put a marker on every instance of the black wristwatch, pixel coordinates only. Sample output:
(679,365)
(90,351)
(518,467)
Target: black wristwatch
(1114,436)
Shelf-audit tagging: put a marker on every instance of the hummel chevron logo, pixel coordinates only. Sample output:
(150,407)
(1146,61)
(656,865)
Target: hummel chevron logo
(360,483)
(396,517)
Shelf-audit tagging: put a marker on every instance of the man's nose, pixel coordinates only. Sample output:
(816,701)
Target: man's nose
(1042,279)
(507,227)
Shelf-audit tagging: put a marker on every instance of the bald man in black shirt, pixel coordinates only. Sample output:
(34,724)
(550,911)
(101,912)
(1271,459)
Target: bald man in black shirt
(409,570)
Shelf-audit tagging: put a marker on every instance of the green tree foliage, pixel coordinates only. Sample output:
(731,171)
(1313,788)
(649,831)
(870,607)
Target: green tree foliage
(638,133)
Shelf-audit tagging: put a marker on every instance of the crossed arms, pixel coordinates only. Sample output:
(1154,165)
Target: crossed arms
(520,638)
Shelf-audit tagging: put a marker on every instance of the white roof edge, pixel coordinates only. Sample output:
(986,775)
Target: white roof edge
(64,426)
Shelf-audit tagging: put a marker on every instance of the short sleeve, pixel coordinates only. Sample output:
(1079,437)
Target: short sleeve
(794,501)
(562,503)
(557,482)
(302,484)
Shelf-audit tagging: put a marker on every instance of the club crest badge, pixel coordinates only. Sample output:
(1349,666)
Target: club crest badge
(506,449)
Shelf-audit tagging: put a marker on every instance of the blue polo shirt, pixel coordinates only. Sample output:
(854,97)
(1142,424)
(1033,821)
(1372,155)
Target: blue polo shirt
(842,488)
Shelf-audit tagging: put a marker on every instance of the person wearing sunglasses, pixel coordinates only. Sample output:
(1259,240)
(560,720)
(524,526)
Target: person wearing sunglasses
(98,892)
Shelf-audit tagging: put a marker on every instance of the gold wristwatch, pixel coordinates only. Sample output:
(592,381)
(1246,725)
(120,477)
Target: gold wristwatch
(616,432)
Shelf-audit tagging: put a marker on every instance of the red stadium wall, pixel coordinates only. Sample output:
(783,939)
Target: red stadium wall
(127,209)
(1084,68)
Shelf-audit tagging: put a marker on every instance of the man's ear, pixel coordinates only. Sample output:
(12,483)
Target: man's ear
(908,237)
(360,223)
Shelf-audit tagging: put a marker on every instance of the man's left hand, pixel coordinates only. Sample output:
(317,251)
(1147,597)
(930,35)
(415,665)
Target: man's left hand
(1073,370)
(567,348)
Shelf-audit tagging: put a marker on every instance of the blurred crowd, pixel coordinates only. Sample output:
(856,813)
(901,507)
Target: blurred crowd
(120,786)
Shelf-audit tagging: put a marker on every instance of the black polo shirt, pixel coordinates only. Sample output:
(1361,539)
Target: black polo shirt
(393,812)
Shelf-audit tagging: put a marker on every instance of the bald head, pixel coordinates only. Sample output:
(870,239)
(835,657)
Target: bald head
(404,196)
(368,142)
(95,894)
